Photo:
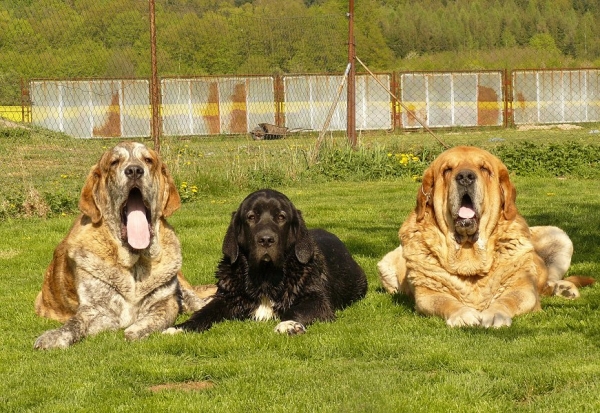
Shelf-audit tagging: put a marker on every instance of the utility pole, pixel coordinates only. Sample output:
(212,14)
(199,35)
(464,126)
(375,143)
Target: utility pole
(154,87)
(351,100)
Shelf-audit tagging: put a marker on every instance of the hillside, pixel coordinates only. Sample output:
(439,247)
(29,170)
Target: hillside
(110,38)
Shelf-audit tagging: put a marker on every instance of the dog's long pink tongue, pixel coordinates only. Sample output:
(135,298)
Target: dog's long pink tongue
(466,212)
(138,232)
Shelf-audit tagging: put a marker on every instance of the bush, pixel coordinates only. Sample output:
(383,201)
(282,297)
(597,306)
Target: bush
(556,159)
(344,163)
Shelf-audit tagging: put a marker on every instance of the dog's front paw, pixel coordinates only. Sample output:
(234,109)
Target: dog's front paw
(290,327)
(138,332)
(173,330)
(464,317)
(58,338)
(496,319)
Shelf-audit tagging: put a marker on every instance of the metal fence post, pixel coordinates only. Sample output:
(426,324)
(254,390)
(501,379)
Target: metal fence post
(351,84)
(154,86)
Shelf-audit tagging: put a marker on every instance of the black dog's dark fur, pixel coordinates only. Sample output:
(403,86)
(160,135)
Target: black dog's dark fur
(269,256)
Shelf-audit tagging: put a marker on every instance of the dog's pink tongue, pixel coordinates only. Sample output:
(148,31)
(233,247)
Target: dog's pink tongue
(138,232)
(466,212)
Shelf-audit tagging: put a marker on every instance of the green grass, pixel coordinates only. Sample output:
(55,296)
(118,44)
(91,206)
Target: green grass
(379,356)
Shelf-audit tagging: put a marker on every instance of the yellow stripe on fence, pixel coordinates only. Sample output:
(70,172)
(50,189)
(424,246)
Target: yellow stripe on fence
(15,113)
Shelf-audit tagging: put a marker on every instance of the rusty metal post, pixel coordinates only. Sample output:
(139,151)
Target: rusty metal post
(508,113)
(279,93)
(396,114)
(351,85)
(22,100)
(154,86)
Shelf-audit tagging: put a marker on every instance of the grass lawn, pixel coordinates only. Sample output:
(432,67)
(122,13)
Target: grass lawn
(379,356)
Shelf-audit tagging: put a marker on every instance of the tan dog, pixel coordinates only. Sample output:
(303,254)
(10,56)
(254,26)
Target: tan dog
(119,265)
(467,255)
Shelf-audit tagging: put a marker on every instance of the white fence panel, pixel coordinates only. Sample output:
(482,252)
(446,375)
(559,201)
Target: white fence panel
(92,108)
(556,96)
(452,99)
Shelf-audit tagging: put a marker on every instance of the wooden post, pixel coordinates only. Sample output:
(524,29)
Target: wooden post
(154,86)
(351,85)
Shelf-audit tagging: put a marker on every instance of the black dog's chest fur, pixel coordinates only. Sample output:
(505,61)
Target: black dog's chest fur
(248,286)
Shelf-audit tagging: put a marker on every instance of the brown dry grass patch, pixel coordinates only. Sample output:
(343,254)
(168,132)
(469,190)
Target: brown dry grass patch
(187,386)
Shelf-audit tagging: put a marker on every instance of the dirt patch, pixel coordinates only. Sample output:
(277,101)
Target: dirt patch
(562,126)
(8,254)
(187,386)
(8,124)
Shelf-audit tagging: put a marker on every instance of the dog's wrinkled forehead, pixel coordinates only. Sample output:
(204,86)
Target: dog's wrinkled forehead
(458,159)
(267,201)
(128,152)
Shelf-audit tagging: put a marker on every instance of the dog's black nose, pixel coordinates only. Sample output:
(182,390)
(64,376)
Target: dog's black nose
(266,240)
(134,171)
(466,177)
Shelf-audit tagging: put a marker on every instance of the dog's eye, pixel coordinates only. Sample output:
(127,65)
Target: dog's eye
(484,169)
(447,171)
(281,217)
(251,216)
(149,161)
(114,163)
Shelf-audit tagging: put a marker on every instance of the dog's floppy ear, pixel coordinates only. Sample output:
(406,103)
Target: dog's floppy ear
(230,243)
(509,195)
(425,194)
(304,246)
(88,201)
(171,198)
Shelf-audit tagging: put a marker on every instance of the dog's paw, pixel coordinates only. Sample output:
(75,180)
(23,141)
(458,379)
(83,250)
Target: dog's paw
(54,339)
(495,319)
(566,289)
(464,317)
(135,332)
(173,330)
(290,327)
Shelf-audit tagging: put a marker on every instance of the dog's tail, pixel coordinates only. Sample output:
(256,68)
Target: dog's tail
(194,298)
(580,281)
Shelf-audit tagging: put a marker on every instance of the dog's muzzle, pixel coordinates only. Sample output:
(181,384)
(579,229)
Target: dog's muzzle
(266,245)
(466,217)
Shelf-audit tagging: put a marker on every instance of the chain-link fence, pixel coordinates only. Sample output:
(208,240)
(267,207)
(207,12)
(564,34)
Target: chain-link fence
(236,105)
(83,68)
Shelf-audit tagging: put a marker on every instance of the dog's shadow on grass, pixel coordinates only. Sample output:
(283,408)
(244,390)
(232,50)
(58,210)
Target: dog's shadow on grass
(399,299)
(521,327)
(403,300)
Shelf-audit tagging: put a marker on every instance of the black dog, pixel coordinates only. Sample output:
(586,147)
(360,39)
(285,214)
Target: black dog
(273,266)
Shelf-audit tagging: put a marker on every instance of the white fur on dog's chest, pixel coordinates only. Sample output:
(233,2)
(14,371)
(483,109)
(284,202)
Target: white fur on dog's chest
(264,311)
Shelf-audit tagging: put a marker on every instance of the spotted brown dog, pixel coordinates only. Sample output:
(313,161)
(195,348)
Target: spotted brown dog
(466,253)
(119,265)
